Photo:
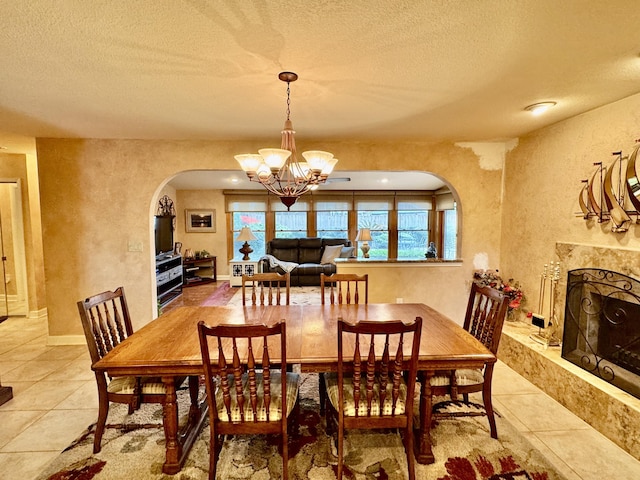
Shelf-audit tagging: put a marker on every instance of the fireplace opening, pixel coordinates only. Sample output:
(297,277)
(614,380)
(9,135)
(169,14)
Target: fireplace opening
(602,326)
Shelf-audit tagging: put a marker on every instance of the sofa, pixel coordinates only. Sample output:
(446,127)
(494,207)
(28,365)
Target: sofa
(308,254)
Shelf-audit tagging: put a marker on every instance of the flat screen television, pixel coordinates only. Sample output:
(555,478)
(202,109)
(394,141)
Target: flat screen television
(164,234)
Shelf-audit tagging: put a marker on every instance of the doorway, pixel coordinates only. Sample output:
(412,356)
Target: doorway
(13,278)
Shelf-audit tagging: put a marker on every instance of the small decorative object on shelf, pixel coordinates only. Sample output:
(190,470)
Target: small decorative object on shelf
(431,251)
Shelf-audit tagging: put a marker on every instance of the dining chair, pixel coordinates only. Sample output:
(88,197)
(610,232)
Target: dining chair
(266,287)
(106,323)
(344,287)
(374,389)
(486,311)
(246,388)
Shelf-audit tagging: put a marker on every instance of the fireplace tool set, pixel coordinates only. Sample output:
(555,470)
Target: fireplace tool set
(550,275)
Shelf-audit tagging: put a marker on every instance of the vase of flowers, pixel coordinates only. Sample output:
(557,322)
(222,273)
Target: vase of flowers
(511,288)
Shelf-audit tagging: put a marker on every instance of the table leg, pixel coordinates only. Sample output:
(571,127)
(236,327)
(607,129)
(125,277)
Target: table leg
(170,422)
(423,451)
(179,442)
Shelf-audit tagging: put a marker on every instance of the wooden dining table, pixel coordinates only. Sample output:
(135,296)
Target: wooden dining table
(169,347)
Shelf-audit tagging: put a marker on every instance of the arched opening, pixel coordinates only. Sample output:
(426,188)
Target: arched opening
(405,211)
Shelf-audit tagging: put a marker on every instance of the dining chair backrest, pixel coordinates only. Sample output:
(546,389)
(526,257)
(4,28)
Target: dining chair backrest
(105,321)
(248,388)
(344,288)
(267,288)
(376,380)
(371,366)
(486,312)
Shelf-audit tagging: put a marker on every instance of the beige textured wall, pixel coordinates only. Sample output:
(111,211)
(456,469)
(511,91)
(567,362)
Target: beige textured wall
(543,180)
(99,195)
(215,243)
(441,286)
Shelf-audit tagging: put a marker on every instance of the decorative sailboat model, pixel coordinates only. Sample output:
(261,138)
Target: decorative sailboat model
(613,193)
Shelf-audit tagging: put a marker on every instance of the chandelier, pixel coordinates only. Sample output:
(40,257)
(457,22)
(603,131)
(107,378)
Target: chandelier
(279,170)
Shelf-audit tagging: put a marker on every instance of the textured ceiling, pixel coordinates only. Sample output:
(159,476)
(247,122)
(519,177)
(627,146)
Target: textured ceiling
(204,69)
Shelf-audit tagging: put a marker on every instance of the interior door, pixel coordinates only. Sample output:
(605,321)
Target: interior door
(13,289)
(4,304)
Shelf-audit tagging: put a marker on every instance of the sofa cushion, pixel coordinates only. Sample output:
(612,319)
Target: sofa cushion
(314,269)
(285,249)
(348,252)
(309,250)
(331,252)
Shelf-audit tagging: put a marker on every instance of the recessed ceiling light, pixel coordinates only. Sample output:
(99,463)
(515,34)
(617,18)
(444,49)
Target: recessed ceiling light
(539,108)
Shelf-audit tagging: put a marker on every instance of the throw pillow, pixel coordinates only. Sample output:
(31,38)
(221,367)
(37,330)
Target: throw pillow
(331,252)
(347,252)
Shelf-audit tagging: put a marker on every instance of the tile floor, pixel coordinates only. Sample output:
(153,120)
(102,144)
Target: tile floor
(55,399)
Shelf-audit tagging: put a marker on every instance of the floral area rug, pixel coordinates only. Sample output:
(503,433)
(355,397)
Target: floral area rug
(133,448)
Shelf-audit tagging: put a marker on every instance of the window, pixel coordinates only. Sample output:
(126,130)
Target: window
(402,223)
(378,222)
(332,224)
(291,224)
(413,225)
(256,222)
(450,237)
(413,233)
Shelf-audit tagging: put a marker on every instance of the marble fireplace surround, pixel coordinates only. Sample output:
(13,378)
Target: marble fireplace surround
(610,410)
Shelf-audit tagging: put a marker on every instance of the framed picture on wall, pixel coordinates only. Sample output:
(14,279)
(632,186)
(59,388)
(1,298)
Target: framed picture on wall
(200,221)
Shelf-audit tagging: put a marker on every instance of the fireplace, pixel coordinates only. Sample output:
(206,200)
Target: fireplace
(602,326)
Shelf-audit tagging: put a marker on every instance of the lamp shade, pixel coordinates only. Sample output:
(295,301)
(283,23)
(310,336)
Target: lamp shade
(245,235)
(364,235)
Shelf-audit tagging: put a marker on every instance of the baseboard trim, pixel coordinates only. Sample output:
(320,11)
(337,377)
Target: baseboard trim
(36,314)
(66,340)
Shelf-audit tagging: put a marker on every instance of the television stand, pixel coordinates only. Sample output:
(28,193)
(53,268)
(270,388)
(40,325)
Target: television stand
(168,278)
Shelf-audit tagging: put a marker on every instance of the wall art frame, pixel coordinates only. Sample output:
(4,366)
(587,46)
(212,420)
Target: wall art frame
(200,221)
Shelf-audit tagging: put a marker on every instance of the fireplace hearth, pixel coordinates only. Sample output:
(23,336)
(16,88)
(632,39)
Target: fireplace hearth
(602,326)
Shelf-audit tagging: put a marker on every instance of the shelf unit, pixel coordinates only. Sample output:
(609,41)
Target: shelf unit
(197,271)
(168,278)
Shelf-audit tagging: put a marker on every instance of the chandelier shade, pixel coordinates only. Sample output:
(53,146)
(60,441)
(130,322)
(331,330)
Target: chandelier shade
(279,170)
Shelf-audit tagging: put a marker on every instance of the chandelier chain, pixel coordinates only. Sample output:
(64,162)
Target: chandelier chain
(288,100)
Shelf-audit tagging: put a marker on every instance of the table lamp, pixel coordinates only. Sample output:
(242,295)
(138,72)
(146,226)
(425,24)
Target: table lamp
(364,236)
(245,235)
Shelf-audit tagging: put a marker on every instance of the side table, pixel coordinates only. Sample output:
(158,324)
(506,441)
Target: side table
(199,270)
(237,268)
